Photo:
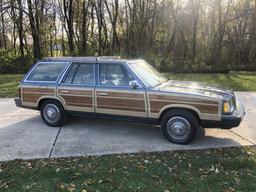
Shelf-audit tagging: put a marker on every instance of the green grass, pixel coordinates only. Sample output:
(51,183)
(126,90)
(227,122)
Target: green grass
(231,169)
(236,81)
(9,84)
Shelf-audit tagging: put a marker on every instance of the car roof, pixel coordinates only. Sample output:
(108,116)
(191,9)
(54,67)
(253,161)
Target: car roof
(101,59)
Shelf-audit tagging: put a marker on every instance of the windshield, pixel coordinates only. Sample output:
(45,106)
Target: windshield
(147,74)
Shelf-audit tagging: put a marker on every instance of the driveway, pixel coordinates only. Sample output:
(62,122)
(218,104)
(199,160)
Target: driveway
(23,135)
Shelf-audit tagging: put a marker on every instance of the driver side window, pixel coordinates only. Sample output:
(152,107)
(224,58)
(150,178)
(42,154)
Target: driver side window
(114,75)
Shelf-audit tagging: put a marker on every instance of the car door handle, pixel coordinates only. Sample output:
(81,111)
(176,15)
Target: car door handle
(64,91)
(103,94)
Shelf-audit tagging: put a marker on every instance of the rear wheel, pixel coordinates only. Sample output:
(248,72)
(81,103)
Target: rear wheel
(52,113)
(179,126)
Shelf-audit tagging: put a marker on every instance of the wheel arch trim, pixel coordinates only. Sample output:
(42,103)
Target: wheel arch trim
(50,98)
(178,106)
(202,116)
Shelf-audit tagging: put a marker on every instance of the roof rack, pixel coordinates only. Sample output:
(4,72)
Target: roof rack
(100,58)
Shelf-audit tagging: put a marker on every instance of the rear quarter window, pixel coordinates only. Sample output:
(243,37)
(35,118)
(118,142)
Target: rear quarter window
(46,72)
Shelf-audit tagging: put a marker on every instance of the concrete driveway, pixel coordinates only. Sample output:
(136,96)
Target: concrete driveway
(24,135)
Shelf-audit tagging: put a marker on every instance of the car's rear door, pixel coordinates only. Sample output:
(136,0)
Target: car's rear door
(114,94)
(77,88)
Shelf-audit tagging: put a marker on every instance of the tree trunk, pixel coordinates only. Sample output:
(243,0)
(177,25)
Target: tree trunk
(3,25)
(20,28)
(195,10)
(84,28)
(98,8)
(113,19)
(69,18)
(35,33)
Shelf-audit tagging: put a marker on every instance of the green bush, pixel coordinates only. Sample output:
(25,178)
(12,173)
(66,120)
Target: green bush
(12,63)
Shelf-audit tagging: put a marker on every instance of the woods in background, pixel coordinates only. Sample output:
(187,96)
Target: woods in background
(174,35)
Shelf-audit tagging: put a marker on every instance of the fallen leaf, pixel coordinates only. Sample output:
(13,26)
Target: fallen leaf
(200,169)
(146,161)
(72,185)
(170,169)
(212,168)
(157,161)
(237,180)
(29,165)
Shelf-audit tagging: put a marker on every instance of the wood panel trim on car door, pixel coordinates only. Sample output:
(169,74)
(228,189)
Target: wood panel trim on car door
(121,102)
(77,98)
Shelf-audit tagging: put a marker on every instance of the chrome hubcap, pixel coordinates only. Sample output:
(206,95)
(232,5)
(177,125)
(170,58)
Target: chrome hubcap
(51,113)
(178,128)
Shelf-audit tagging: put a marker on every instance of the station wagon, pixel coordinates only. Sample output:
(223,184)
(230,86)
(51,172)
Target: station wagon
(110,87)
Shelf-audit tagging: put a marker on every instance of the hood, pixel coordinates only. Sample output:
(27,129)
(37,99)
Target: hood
(196,88)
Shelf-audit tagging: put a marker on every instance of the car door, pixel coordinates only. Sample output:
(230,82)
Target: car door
(77,88)
(114,93)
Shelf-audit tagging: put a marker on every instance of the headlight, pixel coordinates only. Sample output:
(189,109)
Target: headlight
(229,106)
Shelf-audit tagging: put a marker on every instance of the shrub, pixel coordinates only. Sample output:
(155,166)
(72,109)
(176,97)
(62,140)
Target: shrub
(12,63)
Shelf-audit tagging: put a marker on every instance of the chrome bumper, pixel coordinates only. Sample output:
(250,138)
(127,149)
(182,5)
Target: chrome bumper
(234,119)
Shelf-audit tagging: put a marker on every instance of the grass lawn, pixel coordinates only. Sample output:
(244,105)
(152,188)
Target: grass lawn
(9,84)
(236,81)
(231,169)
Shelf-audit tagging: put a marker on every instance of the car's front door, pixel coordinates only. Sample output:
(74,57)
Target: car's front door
(114,92)
(77,88)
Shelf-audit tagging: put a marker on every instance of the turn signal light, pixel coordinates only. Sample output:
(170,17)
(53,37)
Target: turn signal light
(226,107)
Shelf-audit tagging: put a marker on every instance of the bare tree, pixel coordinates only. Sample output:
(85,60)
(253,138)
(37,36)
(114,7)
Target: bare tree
(20,27)
(3,42)
(68,15)
(113,14)
(35,25)
(195,13)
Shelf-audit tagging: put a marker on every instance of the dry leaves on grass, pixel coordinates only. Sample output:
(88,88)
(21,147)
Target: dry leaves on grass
(69,187)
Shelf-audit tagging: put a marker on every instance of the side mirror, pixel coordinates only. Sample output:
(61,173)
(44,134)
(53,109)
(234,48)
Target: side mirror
(134,84)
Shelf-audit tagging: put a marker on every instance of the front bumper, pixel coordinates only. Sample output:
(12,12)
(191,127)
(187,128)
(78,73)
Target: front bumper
(227,121)
(233,120)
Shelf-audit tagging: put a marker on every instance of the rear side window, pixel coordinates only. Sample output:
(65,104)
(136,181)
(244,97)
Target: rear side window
(46,72)
(82,74)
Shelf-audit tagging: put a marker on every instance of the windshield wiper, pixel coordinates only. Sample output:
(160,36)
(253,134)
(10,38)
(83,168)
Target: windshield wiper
(161,83)
(157,85)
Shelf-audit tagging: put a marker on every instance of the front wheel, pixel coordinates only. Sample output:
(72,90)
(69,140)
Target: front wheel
(52,113)
(179,126)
